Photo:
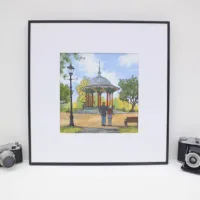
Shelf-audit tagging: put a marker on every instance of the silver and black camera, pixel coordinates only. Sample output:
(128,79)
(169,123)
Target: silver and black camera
(10,154)
(189,154)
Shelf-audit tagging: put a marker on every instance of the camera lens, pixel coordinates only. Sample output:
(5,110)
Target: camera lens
(192,160)
(8,162)
(7,159)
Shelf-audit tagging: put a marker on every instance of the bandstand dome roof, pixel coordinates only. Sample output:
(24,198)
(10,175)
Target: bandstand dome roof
(100,82)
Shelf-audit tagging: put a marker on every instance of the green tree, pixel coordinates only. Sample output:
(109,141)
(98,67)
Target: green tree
(129,91)
(118,104)
(95,99)
(79,104)
(103,99)
(80,89)
(64,93)
(66,58)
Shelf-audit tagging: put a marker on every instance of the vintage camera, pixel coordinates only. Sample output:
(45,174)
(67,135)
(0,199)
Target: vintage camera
(189,154)
(10,154)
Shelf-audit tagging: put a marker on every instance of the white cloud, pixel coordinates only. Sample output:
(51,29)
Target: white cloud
(89,65)
(111,76)
(128,60)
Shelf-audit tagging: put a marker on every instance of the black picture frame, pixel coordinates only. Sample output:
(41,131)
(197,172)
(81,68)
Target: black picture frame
(30,22)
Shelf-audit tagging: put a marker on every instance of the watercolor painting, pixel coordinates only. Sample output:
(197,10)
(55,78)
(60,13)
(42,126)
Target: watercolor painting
(99,93)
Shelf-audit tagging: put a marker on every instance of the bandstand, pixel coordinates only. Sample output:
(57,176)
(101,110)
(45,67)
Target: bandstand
(97,86)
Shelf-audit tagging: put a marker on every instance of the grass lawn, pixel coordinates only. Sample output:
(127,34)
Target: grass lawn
(129,129)
(70,129)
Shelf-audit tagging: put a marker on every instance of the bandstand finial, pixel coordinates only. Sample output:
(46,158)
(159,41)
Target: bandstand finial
(99,72)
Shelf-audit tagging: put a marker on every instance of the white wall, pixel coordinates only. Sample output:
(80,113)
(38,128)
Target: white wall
(184,16)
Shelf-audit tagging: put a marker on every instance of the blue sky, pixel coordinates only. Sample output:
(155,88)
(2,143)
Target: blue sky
(113,67)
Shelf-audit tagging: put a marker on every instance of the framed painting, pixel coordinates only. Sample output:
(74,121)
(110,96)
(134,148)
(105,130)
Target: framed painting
(98,92)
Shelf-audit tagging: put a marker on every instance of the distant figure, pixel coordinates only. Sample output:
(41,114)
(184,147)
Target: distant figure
(103,110)
(110,115)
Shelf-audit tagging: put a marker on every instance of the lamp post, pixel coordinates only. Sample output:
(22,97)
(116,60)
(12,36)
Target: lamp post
(70,71)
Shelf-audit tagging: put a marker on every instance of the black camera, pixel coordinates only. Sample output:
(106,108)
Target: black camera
(189,154)
(10,154)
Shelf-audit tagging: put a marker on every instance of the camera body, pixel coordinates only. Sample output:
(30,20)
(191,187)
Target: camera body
(189,154)
(10,154)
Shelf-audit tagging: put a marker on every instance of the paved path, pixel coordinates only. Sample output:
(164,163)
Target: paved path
(94,120)
(99,130)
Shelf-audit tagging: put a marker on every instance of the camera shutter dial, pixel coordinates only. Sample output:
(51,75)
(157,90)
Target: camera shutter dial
(7,159)
(192,160)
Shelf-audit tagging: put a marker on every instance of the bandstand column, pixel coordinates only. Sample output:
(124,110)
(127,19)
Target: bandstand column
(86,99)
(89,100)
(100,98)
(112,99)
(92,100)
(106,98)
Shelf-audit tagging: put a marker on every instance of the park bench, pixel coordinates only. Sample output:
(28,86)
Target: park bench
(131,120)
